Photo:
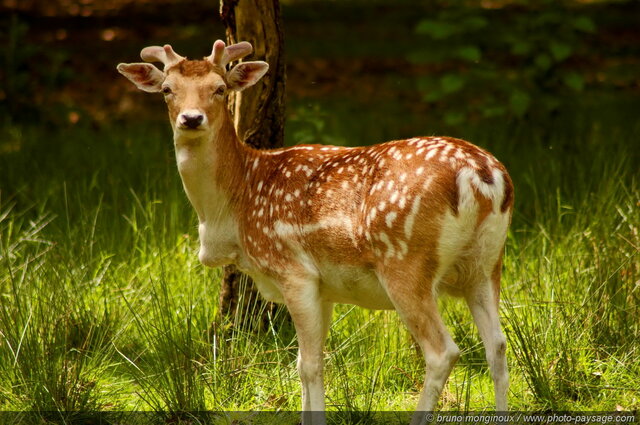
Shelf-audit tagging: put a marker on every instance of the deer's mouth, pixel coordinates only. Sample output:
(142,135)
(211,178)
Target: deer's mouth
(188,129)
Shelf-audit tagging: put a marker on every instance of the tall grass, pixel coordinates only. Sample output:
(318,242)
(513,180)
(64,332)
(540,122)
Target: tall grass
(104,306)
(578,269)
(55,324)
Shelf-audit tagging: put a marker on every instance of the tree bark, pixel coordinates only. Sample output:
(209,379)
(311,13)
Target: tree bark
(259,116)
(259,112)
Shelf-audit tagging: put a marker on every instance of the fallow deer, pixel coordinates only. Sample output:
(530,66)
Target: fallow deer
(388,226)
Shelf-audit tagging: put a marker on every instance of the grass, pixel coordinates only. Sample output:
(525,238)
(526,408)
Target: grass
(104,305)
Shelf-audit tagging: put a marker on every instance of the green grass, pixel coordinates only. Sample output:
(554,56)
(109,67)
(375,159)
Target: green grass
(104,305)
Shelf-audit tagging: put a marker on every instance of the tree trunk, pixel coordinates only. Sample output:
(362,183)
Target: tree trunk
(259,120)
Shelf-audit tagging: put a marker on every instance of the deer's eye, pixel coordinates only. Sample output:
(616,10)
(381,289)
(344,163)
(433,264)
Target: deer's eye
(166,90)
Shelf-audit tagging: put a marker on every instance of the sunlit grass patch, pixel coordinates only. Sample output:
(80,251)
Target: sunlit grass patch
(104,305)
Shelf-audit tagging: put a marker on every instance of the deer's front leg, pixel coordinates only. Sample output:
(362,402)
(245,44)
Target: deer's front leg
(311,318)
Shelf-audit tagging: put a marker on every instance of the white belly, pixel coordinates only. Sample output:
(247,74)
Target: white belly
(267,287)
(338,284)
(353,285)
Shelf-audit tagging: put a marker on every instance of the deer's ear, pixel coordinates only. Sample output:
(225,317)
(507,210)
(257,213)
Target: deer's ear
(144,75)
(246,74)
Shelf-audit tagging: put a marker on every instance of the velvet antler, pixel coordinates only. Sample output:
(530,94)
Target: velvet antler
(221,55)
(165,54)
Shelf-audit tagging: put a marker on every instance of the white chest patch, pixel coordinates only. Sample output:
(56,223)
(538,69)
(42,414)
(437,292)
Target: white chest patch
(218,245)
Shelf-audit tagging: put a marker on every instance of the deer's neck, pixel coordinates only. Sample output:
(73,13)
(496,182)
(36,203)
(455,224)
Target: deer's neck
(211,167)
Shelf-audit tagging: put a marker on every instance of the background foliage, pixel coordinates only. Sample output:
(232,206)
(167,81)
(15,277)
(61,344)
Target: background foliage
(504,62)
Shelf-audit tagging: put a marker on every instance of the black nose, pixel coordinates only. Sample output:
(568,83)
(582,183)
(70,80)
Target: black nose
(192,121)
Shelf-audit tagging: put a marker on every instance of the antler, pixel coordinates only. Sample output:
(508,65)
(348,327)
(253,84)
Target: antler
(165,54)
(221,55)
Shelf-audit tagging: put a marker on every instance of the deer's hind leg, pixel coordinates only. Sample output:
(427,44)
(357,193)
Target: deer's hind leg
(483,299)
(416,304)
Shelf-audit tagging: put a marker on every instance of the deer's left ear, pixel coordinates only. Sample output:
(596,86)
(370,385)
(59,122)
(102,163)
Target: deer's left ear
(144,75)
(246,74)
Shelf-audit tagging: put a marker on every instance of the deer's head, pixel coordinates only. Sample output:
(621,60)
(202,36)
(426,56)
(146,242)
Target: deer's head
(195,90)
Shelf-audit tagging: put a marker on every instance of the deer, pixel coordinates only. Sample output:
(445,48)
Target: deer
(388,226)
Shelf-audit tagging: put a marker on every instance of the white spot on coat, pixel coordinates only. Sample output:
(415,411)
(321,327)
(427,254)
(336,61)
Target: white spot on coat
(390,249)
(411,217)
(390,218)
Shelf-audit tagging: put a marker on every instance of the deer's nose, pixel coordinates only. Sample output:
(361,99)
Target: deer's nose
(191,120)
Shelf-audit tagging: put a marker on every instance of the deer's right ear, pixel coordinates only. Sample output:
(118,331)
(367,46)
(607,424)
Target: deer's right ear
(144,75)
